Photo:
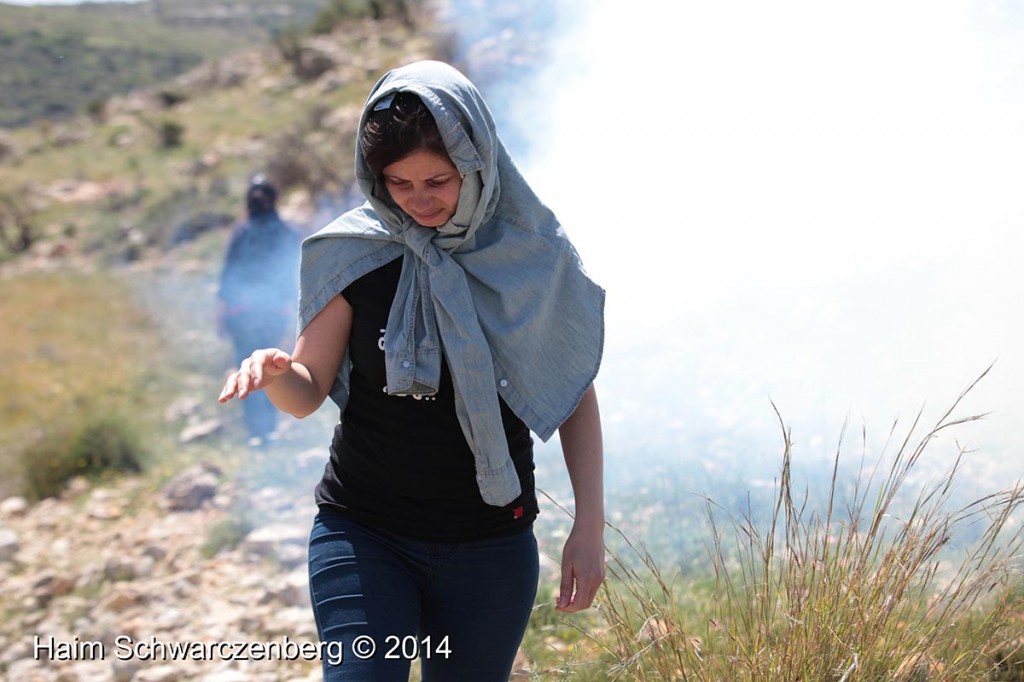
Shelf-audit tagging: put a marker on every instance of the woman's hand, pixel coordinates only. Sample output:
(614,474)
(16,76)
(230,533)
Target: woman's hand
(583,570)
(256,372)
(297,383)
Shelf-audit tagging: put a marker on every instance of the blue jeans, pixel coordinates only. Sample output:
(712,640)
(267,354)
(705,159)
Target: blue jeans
(380,600)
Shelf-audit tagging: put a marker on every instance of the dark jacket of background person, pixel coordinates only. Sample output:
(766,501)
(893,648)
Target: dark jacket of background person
(260,274)
(259,290)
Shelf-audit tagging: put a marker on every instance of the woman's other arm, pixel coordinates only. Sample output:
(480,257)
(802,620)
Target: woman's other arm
(583,568)
(298,383)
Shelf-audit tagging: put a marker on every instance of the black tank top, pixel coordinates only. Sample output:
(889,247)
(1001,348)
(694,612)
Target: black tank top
(402,463)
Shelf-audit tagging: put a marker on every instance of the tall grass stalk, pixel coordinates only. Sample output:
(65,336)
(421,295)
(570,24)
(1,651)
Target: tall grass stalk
(868,589)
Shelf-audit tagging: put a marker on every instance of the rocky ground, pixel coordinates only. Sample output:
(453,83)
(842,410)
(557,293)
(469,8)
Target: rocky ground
(130,568)
(102,583)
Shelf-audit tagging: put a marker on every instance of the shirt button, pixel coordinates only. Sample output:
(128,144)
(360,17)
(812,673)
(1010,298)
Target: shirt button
(407,364)
(503,383)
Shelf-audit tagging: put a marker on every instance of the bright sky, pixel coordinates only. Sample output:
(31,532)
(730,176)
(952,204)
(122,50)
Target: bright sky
(817,202)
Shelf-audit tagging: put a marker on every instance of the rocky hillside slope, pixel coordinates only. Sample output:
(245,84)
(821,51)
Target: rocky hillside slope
(124,566)
(139,581)
(102,582)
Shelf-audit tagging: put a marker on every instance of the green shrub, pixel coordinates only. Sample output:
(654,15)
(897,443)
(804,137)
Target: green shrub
(116,135)
(99,444)
(97,109)
(172,134)
(225,534)
(170,98)
(340,11)
(289,45)
(17,229)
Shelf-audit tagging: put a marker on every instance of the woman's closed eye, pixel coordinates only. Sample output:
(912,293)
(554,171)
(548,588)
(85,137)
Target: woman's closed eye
(398,183)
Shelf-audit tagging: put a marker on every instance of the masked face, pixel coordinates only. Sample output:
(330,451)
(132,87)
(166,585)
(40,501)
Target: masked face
(426,186)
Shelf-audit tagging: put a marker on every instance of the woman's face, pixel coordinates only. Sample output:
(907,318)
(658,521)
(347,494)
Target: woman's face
(426,186)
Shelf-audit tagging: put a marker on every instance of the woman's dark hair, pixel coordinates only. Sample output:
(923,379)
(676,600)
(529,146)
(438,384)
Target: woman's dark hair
(394,131)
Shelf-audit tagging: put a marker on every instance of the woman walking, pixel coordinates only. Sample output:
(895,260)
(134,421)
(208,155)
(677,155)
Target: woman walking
(448,317)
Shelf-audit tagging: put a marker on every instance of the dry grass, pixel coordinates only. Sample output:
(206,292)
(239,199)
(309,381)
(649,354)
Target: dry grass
(74,346)
(873,588)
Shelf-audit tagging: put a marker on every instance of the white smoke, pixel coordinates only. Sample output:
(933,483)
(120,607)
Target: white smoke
(817,203)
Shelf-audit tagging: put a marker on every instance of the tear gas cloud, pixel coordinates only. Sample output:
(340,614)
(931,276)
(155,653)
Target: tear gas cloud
(810,204)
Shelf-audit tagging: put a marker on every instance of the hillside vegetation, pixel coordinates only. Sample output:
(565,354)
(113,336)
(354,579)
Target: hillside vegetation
(160,165)
(61,60)
(112,227)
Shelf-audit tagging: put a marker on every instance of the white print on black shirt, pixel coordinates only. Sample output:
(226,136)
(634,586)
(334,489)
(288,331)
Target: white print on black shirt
(380,345)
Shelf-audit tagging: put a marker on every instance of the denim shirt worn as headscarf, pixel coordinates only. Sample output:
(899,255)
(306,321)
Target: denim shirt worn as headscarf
(499,289)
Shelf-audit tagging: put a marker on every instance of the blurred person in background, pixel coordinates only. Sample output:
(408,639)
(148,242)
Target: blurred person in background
(258,292)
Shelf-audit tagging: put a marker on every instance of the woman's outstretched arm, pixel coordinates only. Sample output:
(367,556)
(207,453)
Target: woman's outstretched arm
(298,383)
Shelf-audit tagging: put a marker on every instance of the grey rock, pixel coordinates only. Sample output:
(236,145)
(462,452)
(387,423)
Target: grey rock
(9,544)
(200,430)
(14,506)
(87,671)
(161,673)
(226,676)
(267,539)
(30,670)
(125,670)
(190,489)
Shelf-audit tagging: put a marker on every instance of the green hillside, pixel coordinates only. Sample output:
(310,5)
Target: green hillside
(60,60)
(139,198)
